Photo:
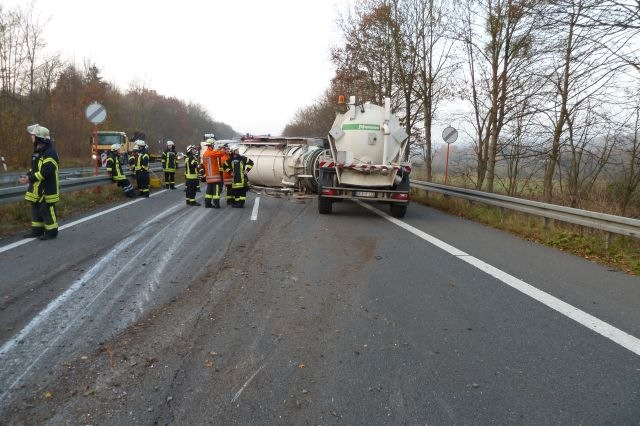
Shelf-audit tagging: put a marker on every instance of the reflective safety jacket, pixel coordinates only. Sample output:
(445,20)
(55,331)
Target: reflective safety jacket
(238,166)
(115,168)
(142,162)
(212,163)
(43,177)
(169,161)
(133,160)
(191,167)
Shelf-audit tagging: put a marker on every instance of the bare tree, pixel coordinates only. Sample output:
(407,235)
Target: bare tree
(33,36)
(497,36)
(584,65)
(365,64)
(433,50)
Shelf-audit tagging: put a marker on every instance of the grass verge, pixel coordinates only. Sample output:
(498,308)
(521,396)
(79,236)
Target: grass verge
(621,253)
(16,217)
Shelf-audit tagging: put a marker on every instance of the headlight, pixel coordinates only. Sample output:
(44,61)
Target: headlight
(95,157)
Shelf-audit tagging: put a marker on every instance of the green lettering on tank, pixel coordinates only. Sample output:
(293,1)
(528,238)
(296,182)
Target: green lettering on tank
(360,126)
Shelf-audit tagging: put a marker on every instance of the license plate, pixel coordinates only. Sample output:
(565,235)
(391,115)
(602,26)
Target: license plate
(364,194)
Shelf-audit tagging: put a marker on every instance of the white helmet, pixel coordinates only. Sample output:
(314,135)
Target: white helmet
(39,131)
(170,143)
(115,147)
(191,148)
(141,144)
(209,142)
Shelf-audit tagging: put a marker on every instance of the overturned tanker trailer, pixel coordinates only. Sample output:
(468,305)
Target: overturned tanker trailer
(284,161)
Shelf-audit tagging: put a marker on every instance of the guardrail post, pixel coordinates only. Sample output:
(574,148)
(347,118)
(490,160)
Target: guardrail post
(501,212)
(608,240)
(545,222)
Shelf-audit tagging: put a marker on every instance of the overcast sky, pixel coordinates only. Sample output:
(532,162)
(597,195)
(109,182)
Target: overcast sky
(250,63)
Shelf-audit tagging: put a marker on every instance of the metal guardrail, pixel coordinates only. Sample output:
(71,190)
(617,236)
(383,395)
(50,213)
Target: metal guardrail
(602,221)
(16,193)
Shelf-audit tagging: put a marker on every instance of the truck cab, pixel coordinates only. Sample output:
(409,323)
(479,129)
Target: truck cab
(100,149)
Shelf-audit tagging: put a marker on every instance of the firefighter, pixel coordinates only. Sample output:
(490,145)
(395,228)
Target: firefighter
(115,171)
(198,147)
(227,178)
(142,169)
(238,165)
(212,165)
(44,190)
(191,175)
(169,164)
(133,161)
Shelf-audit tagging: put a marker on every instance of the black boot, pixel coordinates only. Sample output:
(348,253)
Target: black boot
(216,204)
(172,186)
(49,235)
(35,233)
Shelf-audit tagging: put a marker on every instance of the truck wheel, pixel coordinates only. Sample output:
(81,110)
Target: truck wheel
(398,210)
(324,205)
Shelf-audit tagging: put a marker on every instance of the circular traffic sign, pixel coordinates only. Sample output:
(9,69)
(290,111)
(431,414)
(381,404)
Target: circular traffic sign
(96,113)
(450,135)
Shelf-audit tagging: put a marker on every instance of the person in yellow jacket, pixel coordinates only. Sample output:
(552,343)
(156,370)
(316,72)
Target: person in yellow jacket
(142,169)
(191,175)
(238,166)
(212,164)
(44,188)
(114,168)
(169,165)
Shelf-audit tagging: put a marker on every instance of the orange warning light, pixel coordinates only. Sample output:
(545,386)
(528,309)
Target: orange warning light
(341,99)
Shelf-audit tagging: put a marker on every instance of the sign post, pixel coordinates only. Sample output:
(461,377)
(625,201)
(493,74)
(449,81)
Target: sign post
(449,135)
(96,114)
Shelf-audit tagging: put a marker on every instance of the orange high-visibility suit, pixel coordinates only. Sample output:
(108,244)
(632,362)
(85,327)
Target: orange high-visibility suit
(212,163)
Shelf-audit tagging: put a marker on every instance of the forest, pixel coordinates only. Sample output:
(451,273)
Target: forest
(39,87)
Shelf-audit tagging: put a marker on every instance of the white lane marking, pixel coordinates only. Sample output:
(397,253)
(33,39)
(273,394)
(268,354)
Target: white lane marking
(254,212)
(237,395)
(79,221)
(612,333)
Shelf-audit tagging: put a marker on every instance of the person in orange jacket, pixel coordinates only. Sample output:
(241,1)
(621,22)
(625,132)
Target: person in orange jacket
(212,163)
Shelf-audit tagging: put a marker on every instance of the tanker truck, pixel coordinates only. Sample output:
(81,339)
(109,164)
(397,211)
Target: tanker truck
(366,159)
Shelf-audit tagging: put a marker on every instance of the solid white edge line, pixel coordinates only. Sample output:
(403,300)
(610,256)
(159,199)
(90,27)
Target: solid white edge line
(254,212)
(612,333)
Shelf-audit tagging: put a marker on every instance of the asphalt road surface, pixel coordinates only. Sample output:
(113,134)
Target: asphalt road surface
(154,312)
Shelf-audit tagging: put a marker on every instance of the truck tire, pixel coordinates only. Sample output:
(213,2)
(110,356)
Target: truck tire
(324,205)
(398,210)
(325,178)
